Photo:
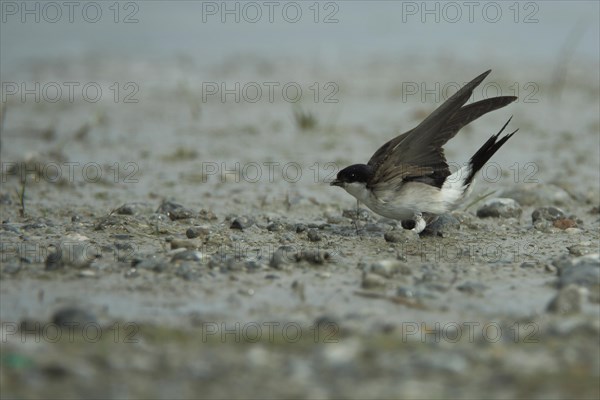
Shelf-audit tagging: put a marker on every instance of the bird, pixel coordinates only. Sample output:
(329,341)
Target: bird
(408,178)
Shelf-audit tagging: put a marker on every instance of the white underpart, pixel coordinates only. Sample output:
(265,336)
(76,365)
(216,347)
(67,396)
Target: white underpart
(454,189)
(414,198)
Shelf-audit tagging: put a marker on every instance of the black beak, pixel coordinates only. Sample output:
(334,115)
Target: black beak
(337,183)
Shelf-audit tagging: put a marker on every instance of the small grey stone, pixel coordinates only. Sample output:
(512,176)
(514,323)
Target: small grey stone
(567,301)
(401,236)
(151,264)
(582,271)
(124,247)
(581,249)
(184,244)
(405,292)
(300,228)
(336,219)
(253,265)
(370,281)
(54,260)
(547,214)
(241,223)
(73,317)
(196,231)
(388,268)
(75,254)
(275,227)
(313,256)
(441,225)
(175,211)
(375,228)
(133,208)
(314,235)
(529,264)
(187,255)
(500,208)
(186,272)
(415,293)
(282,256)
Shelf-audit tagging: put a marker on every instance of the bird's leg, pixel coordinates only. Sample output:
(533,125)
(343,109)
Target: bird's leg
(357,216)
(417,224)
(408,224)
(420,224)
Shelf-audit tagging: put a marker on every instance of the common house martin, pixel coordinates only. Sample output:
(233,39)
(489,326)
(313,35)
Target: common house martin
(408,178)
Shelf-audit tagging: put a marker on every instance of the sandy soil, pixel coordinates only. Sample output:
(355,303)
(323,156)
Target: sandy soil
(295,303)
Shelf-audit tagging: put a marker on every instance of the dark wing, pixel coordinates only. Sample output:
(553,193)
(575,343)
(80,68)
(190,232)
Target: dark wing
(418,154)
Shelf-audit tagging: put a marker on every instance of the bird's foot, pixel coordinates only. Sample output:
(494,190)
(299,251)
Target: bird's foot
(417,224)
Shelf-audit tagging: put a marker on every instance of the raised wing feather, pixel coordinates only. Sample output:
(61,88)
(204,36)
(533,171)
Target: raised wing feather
(418,154)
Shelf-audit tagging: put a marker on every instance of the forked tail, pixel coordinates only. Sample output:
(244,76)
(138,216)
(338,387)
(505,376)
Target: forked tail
(485,153)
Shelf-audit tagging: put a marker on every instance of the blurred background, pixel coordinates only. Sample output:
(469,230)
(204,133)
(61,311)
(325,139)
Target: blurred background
(153,76)
(248,109)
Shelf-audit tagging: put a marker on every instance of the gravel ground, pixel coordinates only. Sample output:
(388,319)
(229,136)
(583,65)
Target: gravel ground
(183,247)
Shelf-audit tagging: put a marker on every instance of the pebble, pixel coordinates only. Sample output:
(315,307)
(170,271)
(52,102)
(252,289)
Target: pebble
(532,194)
(375,228)
(582,248)
(133,208)
(282,256)
(500,208)
(241,223)
(151,264)
(275,227)
(187,255)
(196,231)
(73,317)
(184,244)
(207,215)
(300,228)
(401,236)
(573,231)
(54,260)
(547,214)
(370,281)
(582,271)
(442,225)
(175,211)
(567,301)
(318,257)
(388,268)
(234,264)
(86,273)
(187,272)
(415,293)
(314,235)
(253,265)
(78,255)
(336,219)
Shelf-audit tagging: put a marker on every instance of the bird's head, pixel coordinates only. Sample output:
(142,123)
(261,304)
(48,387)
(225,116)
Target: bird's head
(357,173)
